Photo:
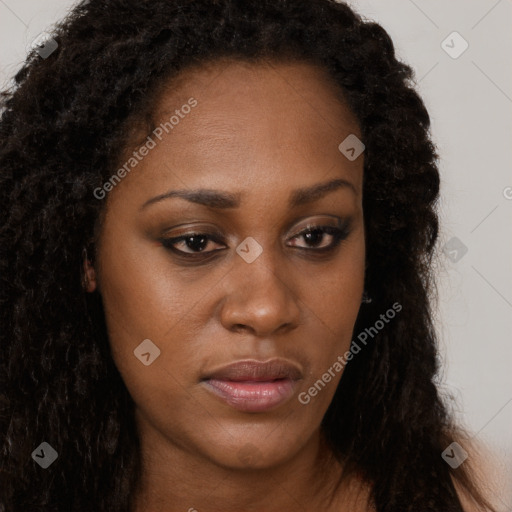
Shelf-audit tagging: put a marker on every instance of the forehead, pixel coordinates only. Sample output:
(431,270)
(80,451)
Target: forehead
(263,89)
(271,122)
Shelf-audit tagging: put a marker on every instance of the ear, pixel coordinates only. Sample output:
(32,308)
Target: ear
(89,283)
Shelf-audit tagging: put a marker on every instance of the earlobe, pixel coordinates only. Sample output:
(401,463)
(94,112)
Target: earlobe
(89,283)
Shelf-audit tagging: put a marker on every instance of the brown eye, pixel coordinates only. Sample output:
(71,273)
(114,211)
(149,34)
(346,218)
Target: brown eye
(315,237)
(191,244)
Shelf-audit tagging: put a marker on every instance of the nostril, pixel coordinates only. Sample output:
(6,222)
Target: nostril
(240,327)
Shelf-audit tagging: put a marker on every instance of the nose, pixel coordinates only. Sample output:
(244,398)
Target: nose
(259,298)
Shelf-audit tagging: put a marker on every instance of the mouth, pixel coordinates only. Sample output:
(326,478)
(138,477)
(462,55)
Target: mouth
(254,386)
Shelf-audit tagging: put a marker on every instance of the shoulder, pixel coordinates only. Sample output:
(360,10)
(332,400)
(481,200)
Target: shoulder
(486,470)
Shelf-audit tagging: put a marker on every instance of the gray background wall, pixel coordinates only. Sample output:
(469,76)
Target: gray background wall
(469,97)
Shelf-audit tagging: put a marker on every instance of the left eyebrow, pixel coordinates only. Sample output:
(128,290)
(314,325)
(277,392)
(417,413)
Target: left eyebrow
(309,194)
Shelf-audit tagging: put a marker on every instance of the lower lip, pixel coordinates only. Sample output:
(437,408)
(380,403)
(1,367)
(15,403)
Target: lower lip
(252,396)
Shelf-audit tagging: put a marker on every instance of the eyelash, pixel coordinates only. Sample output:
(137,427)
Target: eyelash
(338,234)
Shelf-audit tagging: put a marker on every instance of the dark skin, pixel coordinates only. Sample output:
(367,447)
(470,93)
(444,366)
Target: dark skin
(259,132)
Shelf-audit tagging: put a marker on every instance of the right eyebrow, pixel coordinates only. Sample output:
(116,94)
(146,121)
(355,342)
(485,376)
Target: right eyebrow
(206,197)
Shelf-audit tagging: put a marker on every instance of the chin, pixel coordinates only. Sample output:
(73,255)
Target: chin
(254,454)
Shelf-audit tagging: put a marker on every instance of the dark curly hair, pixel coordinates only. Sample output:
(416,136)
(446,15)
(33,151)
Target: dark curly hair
(65,122)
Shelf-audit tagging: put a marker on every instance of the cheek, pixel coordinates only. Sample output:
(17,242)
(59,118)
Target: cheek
(149,325)
(334,301)
(144,301)
(334,291)
(141,297)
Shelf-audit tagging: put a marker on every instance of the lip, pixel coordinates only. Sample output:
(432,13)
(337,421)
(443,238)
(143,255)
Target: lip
(254,386)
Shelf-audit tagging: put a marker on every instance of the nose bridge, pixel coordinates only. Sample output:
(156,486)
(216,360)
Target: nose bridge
(259,297)
(262,277)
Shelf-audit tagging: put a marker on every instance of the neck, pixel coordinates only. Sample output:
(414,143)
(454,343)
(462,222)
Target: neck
(176,480)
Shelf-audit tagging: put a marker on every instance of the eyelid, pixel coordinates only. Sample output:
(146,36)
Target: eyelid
(335,222)
(320,221)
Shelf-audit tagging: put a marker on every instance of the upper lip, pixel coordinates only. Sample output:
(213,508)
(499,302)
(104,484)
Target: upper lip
(252,370)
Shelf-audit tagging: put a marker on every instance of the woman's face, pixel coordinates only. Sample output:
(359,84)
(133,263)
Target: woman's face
(249,172)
